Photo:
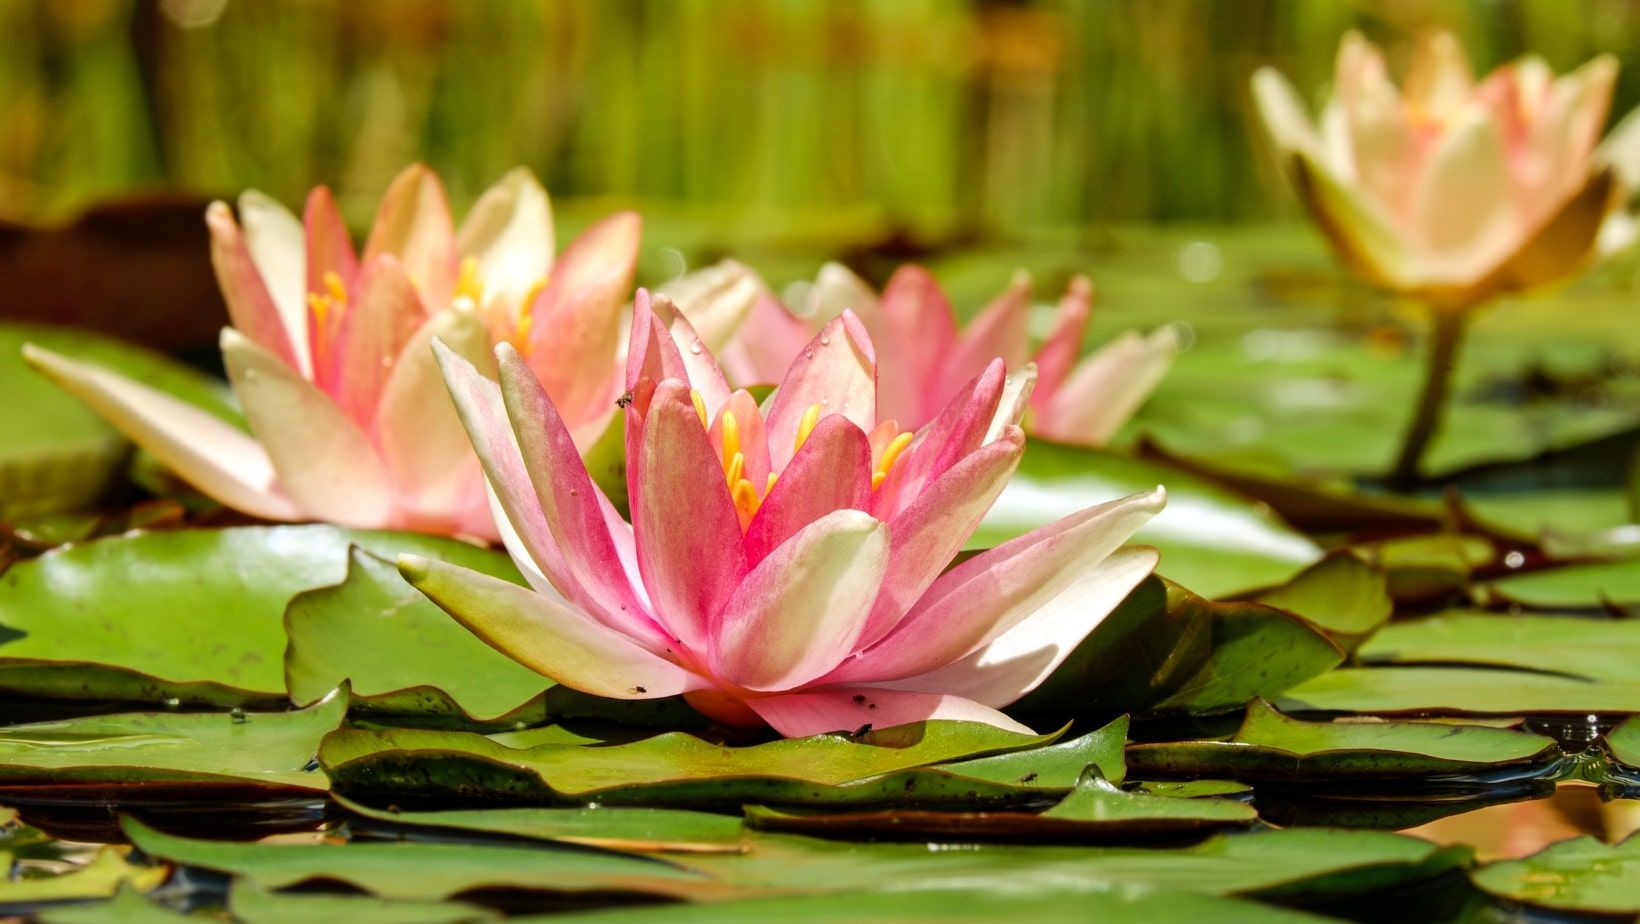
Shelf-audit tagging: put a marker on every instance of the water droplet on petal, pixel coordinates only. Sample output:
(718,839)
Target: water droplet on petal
(808,354)
(825,341)
(695,348)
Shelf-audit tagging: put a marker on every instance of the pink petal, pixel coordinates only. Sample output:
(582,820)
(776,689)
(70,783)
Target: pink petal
(717,300)
(325,463)
(688,534)
(831,472)
(1064,345)
(800,611)
(1020,659)
(767,343)
(574,507)
(576,328)
(554,640)
(435,475)
(210,454)
(1105,389)
(1017,389)
(919,335)
(250,306)
(847,709)
(929,533)
(508,234)
(329,249)
(985,596)
(837,371)
(413,224)
(701,369)
(957,431)
(1000,330)
(652,354)
(374,331)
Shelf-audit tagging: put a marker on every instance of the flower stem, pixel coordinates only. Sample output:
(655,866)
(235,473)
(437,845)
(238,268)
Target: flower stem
(1447,334)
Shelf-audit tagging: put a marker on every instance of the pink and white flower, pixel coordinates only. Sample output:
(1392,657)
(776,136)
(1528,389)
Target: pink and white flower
(1451,188)
(1073,399)
(330,351)
(784,564)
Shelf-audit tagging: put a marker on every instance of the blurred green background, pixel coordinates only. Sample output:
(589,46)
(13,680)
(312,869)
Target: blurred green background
(940,121)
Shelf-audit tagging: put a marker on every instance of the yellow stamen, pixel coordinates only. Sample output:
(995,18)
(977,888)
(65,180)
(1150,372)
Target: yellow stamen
(770,486)
(333,283)
(700,407)
(746,501)
(468,284)
(731,435)
(891,454)
(736,467)
(806,426)
(334,298)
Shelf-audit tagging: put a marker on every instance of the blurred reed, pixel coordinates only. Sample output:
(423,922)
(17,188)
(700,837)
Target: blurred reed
(940,120)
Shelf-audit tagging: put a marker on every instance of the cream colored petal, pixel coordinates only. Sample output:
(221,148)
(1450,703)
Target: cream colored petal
(508,234)
(274,236)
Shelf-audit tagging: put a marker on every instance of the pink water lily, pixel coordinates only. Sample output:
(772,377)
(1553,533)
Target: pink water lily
(330,352)
(785,564)
(926,359)
(1452,188)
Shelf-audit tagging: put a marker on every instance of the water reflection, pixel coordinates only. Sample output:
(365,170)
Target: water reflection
(1517,829)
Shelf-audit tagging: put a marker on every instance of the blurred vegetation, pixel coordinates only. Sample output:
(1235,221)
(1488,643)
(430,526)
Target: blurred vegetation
(943,120)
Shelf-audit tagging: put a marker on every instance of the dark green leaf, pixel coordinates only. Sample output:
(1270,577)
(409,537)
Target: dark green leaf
(1458,689)
(618,827)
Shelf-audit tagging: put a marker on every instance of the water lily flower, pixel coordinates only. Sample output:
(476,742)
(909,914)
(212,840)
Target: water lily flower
(330,351)
(926,359)
(785,564)
(1450,188)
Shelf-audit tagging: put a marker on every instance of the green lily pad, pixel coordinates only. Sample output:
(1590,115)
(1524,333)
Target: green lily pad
(1053,766)
(252,905)
(1572,587)
(646,830)
(1582,874)
(1593,648)
(424,872)
(1293,864)
(1246,547)
(1341,595)
(1166,650)
(1624,742)
(101,877)
(1458,689)
(55,453)
(1427,567)
(1271,747)
(399,651)
(271,749)
(128,906)
(675,768)
(947,904)
(193,615)
(1095,810)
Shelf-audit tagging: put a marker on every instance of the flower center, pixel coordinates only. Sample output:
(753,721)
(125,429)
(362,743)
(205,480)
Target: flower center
(516,325)
(328,308)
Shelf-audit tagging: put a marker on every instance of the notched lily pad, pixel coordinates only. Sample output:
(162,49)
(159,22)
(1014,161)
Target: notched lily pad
(1595,648)
(1593,586)
(402,654)
(1482,691)
(1271,747)
(268,749)
(1582,874)
(191,615)
(676,768)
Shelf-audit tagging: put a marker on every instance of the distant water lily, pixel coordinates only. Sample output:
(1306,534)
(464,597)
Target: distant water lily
(785,564)
(1455,190)
(1073,399)
(330,351)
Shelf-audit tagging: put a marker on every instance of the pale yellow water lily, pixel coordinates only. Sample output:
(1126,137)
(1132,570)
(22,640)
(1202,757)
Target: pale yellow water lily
(330,352)
(1451,188)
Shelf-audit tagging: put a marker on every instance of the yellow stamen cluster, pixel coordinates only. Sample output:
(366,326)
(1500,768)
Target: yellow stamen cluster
(891,454)
(333,298)
(469,284)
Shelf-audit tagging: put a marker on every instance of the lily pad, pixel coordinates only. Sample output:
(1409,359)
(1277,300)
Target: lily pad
(424,872)
(128,906)
(1572,587)
(191,615)
(644,830)
(1095,810)
(106,872)
(674,768)
(252,905)
(1428,567)
(55,453)
(1271,747)
(1593,648)
(399,651)
(1582,874)
(271,749)
(1624,742)
(945,904)
(1166,650)
(1245,547)
(1341,595)
(1458,689)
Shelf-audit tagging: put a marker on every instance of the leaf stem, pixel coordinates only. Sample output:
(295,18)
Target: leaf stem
(1447,334)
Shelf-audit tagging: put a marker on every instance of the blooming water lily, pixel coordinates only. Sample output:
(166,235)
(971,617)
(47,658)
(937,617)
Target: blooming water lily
(926,359)
(784,564)
(330,352)
(1452,188)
